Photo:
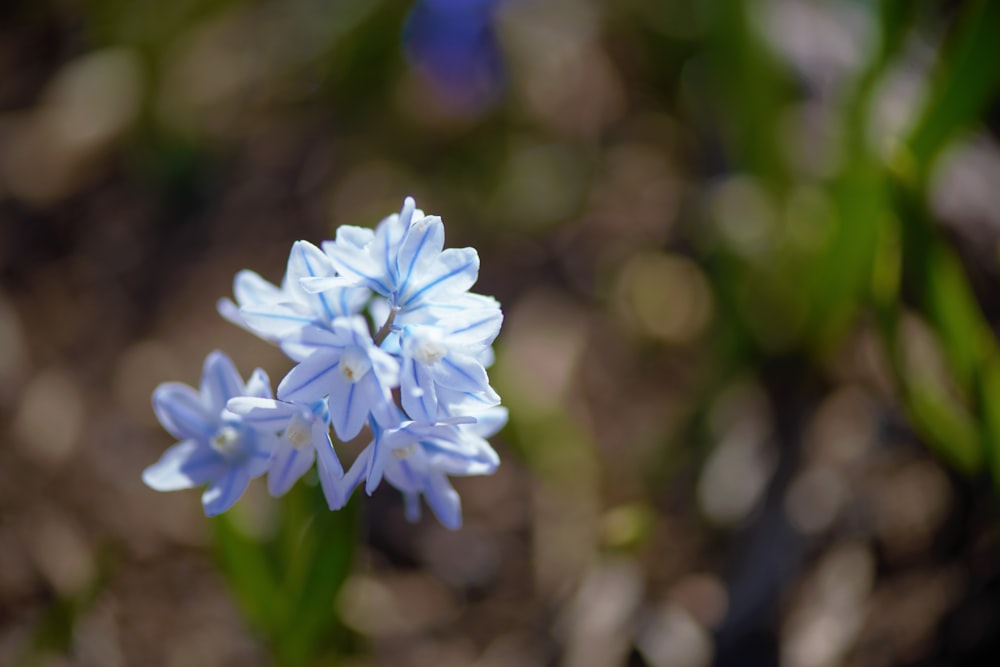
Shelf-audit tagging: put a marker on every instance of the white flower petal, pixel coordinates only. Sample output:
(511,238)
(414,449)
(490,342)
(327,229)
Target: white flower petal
(464,373)
(417,392)
(348,407)
(455,271)
(422,246)
(185,465)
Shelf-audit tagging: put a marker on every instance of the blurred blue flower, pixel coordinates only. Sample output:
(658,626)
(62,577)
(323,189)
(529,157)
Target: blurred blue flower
(453,44)
(216,448)
(304,437)
(418,458)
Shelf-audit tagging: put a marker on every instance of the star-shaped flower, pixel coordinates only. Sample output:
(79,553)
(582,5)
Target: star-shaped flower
(417,459)
(216,447)
(346,366)
(403,260)
(304,436)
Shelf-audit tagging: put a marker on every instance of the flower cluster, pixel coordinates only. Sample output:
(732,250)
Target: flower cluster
(385,334)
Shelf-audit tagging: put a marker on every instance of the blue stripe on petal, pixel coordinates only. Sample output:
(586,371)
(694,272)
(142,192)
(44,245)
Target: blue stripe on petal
(372,281)
(220,380)
(182,412)
(469,268)
(462,373)
(301,382)
(224,492)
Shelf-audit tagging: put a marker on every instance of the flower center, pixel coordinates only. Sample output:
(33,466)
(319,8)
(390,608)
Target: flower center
(299,431)
(226,441)
(354,364)
(429,352)
(405,452)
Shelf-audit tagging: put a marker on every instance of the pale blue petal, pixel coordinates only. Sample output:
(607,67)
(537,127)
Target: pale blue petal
(454,403)
(489,422)
(411,506)
(220,381)
(277,320)
(311,379)
(315,285)
(444,500)
(357,265)
(338,296)
(310,263)
(262,414)
(331,472)
(263,447)
(417,392)
(402,474)
(249,288)
(259,385)
(350,236)
(385,366)
(225,491)
(353,477)
(354,329)
(389,234)
(455,271)
(306,261)
(376,465)
(378,400)
(422,246)
(231,312)
(185,465)
(462,372)
(486,357)
(477,328)
(296,351)
(481,460)
(348,407)
(335,338)
(182,412)
(287,466)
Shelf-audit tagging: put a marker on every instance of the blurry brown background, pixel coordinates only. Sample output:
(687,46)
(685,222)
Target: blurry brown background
(692,475)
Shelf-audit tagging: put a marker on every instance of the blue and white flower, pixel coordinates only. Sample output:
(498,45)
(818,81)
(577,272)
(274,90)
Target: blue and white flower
(403,260)
(436,357)
(347,367)
(216,447)
(303,437)
(417,459)
(384,332)
(278,313)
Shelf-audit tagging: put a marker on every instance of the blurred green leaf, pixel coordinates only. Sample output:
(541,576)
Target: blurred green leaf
(965,82)
(750,89)
(245,564)
(989,405)
(956,314)
(948,429)
(287,585)
(318,565)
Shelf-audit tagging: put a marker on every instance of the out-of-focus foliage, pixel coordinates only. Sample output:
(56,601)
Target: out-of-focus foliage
(748,255)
